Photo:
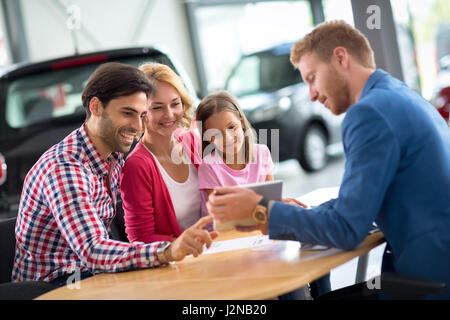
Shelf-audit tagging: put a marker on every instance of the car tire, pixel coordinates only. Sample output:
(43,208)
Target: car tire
(313,149)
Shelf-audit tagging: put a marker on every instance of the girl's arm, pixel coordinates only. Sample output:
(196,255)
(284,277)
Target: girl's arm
(269,177)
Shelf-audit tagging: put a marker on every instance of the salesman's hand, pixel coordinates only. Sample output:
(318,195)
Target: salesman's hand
(294,202)
(263,227)
(232,203)
(191,241)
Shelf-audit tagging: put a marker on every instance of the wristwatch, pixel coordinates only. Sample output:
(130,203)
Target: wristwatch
(260,214)
(160,251)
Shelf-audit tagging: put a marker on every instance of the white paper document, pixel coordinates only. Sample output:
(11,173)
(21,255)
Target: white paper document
(236,244)
(280,245)
(314,247)
(319,196)
(260,243)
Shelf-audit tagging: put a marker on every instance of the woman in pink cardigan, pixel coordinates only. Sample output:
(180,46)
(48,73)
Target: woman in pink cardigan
(159,181)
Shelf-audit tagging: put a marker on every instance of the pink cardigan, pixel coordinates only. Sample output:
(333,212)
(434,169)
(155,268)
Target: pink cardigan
(149,212)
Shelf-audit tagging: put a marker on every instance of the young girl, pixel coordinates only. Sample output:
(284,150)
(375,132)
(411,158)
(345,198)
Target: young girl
(230,155)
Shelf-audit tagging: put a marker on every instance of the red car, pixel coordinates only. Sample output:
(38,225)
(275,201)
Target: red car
(443,104)
(441,98)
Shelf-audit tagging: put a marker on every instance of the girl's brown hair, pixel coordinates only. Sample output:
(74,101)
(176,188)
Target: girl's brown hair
(160,72)
(223,101)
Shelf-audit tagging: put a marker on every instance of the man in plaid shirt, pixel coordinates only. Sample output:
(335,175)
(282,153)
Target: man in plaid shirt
(68,197)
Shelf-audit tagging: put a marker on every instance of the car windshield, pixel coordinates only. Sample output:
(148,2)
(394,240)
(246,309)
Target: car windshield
(262,73)
(51,94)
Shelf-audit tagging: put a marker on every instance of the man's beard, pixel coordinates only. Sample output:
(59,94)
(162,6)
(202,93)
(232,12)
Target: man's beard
(109,134)
(339,92)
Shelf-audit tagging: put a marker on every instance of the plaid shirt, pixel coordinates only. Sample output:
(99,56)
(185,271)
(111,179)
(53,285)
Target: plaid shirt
(64,214)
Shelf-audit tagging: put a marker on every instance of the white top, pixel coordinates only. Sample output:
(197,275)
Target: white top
(185,196)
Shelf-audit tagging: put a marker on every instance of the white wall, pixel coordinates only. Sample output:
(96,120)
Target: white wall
(108,24)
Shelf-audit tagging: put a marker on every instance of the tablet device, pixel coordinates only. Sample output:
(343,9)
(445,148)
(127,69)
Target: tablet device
(270,190)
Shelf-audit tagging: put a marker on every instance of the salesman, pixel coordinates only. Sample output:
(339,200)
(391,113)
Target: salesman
(397,170)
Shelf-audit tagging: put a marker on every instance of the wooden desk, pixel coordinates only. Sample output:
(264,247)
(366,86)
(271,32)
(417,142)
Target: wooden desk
(233,275)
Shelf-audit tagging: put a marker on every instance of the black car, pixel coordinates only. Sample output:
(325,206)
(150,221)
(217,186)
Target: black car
(274,96)
(41,104)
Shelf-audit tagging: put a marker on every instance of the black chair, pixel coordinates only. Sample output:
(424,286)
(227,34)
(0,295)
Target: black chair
(117,226)
(26,290)
(391,286)
(7,248)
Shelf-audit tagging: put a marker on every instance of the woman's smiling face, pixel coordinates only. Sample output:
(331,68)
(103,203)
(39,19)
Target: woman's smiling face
(165,110)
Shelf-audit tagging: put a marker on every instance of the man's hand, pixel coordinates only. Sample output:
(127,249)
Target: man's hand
(191,241)
(264,226)
(294,202)
(228,203)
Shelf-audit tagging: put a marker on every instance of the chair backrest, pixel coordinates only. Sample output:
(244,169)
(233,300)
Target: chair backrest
(7,248)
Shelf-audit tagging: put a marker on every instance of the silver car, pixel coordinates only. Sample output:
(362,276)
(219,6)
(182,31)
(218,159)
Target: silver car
(275,98)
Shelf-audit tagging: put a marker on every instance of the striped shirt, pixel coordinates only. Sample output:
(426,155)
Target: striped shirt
(64,214)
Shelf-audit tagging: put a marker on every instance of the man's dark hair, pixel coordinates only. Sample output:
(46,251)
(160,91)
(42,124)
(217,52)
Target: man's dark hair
(113,80)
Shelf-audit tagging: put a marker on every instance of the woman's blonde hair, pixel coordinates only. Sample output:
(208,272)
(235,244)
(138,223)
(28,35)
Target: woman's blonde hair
(329,35)
(223,101)
(160,72)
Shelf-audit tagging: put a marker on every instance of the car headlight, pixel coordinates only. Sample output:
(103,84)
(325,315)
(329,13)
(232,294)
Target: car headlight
(270,112)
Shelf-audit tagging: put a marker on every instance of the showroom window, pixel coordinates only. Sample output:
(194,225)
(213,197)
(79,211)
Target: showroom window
(428,24)
(226,32)
(4,55)
(341,10)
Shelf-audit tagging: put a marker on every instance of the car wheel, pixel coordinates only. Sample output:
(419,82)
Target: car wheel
(313,149)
